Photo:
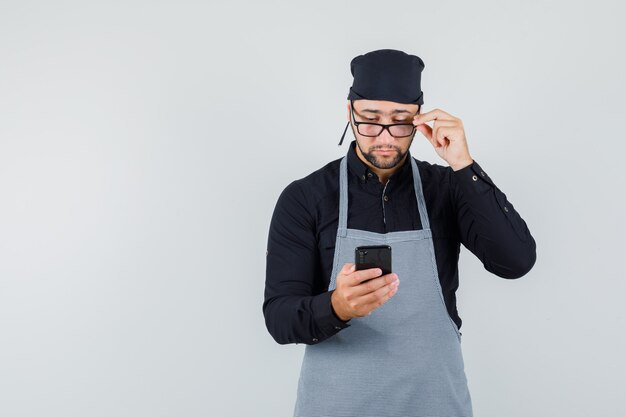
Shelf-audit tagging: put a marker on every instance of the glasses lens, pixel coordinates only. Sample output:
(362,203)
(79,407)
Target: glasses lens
(369,130)
(401,130)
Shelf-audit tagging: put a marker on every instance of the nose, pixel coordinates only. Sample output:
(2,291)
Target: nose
(385,137)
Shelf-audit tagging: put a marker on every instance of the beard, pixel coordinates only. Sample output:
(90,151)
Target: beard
(384,161)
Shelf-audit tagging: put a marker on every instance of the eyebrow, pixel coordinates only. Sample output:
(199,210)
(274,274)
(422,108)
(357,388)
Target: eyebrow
(396,111)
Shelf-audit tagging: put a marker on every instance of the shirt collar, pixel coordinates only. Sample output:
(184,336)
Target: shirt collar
(361,170)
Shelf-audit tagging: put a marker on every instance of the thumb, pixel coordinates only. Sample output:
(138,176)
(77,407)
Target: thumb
(426,130)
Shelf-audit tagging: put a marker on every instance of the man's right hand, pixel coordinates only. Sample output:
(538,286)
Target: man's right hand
(354,298)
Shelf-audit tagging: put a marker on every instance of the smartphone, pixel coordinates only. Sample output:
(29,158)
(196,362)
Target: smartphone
(377,256)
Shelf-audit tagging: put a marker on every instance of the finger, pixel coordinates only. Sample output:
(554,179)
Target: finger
(442,122)
(380,296)
(429,134)
(426,130)
(348,268)
(374,284)
(444,134)
(436,128)
(365,274)
(435,114)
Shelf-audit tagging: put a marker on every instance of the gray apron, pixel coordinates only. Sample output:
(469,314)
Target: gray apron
(404,359)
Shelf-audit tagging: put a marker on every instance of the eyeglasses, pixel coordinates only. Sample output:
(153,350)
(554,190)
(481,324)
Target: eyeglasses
(397,130)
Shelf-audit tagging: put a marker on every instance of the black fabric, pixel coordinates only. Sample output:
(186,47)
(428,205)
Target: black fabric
(387,74)
(464,207)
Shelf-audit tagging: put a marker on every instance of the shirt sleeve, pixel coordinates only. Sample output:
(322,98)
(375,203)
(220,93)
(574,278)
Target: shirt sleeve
(489,226)
(293,312)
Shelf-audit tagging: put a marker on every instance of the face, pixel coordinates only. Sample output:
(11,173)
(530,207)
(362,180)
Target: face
(383,151)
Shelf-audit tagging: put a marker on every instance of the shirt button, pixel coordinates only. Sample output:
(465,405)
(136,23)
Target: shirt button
(506,209)
(474,177)
(482,173)
(369,174)
(386,198)
(314,339)
(337,328)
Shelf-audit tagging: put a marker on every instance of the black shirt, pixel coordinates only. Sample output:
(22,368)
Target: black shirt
(464,206)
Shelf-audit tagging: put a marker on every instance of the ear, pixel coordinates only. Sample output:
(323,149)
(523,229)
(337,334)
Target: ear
(348,113)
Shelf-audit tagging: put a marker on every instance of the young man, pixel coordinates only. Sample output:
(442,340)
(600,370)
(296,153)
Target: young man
(378,348)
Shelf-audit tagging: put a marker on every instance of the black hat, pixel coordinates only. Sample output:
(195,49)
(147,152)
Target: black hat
(386,74)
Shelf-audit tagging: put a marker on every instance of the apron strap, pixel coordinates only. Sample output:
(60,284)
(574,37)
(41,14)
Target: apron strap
(421,202)
(342,227)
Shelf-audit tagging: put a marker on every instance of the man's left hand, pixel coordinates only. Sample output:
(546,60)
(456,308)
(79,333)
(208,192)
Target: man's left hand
(447,137)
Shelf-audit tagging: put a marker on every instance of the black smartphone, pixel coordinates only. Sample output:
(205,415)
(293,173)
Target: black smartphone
(376,256)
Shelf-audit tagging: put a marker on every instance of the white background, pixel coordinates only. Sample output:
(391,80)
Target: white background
(143,146)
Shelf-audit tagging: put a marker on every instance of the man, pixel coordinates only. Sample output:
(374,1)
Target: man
(378,348)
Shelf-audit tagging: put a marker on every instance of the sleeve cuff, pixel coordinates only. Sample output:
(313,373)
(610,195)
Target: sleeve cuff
(325,316)
(472,179)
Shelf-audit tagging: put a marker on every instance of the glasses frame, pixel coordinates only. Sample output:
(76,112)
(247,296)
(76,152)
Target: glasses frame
(419,107)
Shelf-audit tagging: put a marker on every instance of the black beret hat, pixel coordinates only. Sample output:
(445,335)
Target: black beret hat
(387,74)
